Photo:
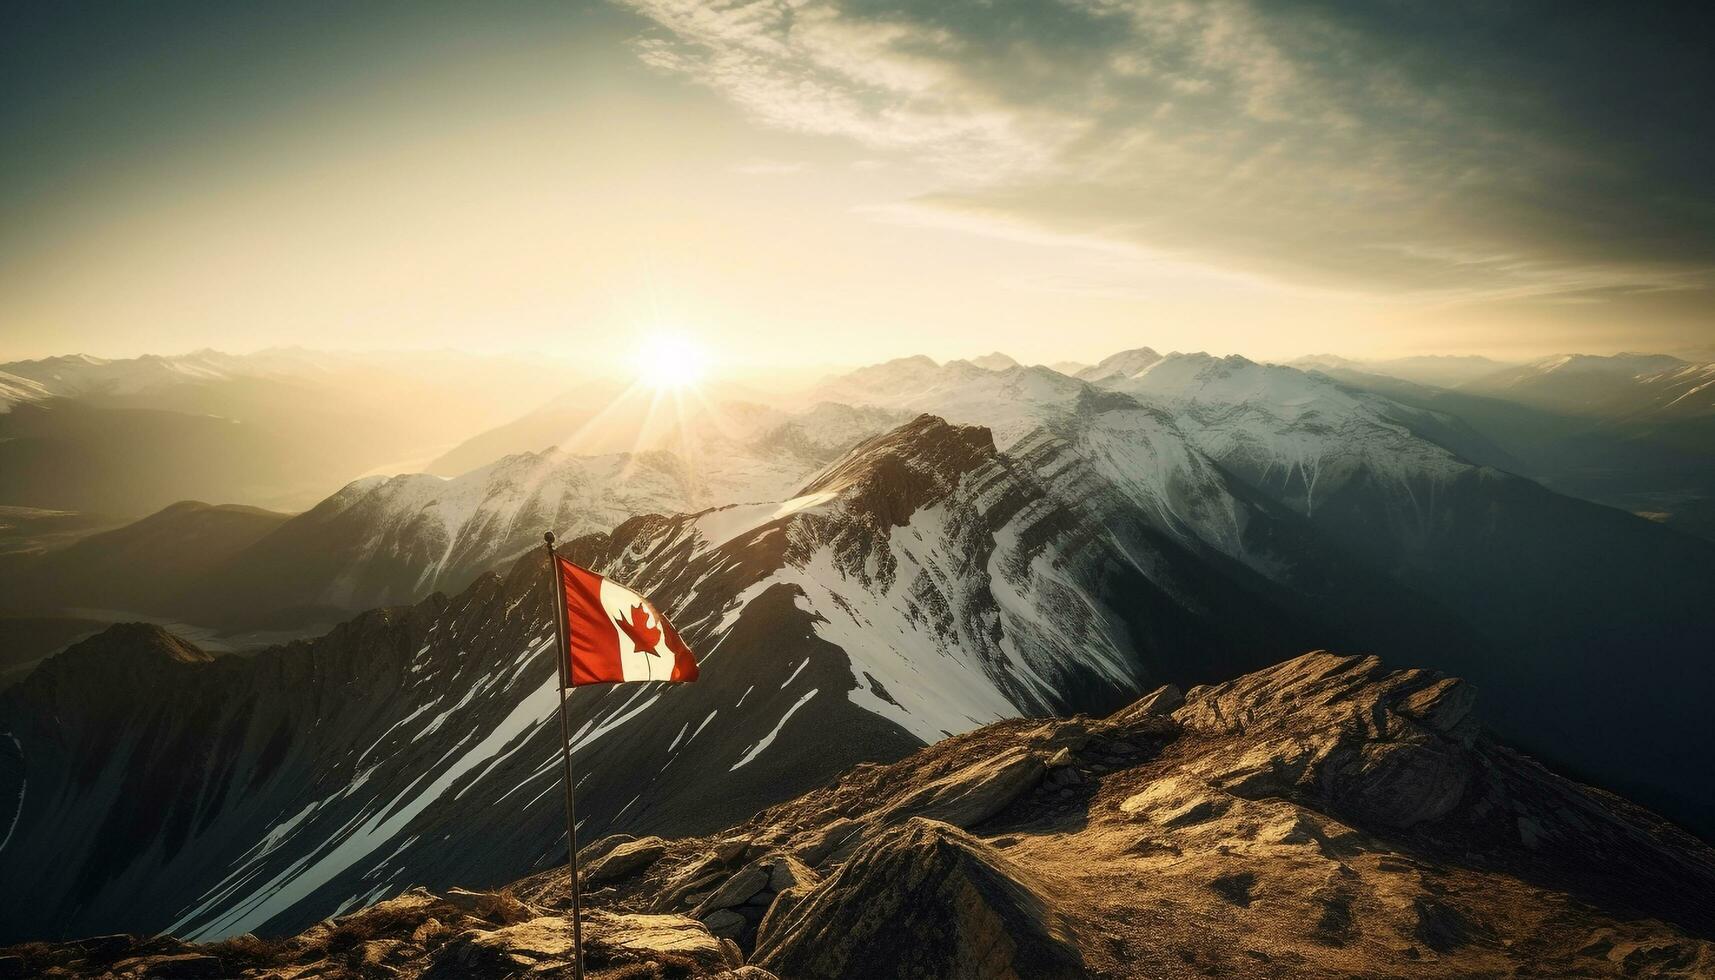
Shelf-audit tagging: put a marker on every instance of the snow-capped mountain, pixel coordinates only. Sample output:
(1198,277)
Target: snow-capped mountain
(1620,386)
(1185,522)
(1291,432)
(1010,402)
(1285,431)
(925,585)
(390,540)
(16,388)
(1394,489)
(397,539)
(85,376)
(1123,364)
(1441,370)
(72,375)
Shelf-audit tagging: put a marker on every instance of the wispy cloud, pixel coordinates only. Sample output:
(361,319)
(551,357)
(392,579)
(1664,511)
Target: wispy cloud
(1339,146)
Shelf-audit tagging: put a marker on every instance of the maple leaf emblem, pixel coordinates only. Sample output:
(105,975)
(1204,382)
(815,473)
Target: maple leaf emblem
(637,628)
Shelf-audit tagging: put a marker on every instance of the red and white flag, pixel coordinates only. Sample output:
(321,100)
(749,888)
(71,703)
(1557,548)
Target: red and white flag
(613,634)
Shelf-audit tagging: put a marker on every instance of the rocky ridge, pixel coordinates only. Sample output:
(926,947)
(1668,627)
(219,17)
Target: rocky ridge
(1324,817)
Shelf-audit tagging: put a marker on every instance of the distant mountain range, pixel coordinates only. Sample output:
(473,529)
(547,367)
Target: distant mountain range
(1022,543)
(278,429)
(1439,370)
(390,540)
(1635,431)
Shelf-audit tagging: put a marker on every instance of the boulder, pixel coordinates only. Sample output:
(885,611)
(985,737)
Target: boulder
(730,849)
(816,846)
(597,849)
(725,923)
(924,900)
(735,891)
(698,876)
(971,794)
(544,946)
(173,966)
(500,907)
(1160,702)
(624,860)
(105,947)
(1176,801)
(376,952)
(786,871)
(466,900)
(651,936)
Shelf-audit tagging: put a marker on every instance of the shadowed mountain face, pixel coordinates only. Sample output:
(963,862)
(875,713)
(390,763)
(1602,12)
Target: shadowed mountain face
(926,586)
(1186,522)
(1623,386)
(1570,609)
(1323,817)
(141,566)
(1643,444)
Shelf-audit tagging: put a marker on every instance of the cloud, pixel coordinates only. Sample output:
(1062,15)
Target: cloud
(1450,152)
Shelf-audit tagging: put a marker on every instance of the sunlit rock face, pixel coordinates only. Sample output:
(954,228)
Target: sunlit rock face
(1284,823)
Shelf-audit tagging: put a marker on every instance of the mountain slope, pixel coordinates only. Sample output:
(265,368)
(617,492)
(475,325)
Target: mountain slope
(1590,605)
(1557,605)
(926,585)
(383,541)
(1657,463)
(1323,817)
(1581,384)
(177,546)
(386,541)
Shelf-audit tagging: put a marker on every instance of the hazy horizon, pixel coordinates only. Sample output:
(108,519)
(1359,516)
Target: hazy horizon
(725,363)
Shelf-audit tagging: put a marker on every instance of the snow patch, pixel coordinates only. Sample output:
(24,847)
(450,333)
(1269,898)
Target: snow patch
(767,740)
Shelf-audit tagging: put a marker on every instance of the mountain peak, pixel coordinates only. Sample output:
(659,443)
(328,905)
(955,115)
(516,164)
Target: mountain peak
(895,473)
(1626,362)
(994,361)
(130,644)
(1124,364)
(914,361)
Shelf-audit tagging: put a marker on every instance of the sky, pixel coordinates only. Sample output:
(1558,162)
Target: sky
(810,183)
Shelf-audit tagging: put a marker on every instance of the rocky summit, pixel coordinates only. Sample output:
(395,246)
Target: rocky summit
(1328,816)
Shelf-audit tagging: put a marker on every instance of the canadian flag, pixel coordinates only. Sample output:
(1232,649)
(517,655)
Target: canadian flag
(614,635)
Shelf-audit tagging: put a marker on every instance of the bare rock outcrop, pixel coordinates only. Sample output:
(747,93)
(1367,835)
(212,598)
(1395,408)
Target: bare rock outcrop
(924,900)
(543,947)
(1325,817)
(1391,748)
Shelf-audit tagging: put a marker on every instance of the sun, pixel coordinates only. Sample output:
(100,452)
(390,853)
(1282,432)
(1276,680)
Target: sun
(670,361)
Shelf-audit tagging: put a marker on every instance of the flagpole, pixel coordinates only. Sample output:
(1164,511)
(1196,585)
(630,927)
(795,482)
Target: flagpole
(561,627)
